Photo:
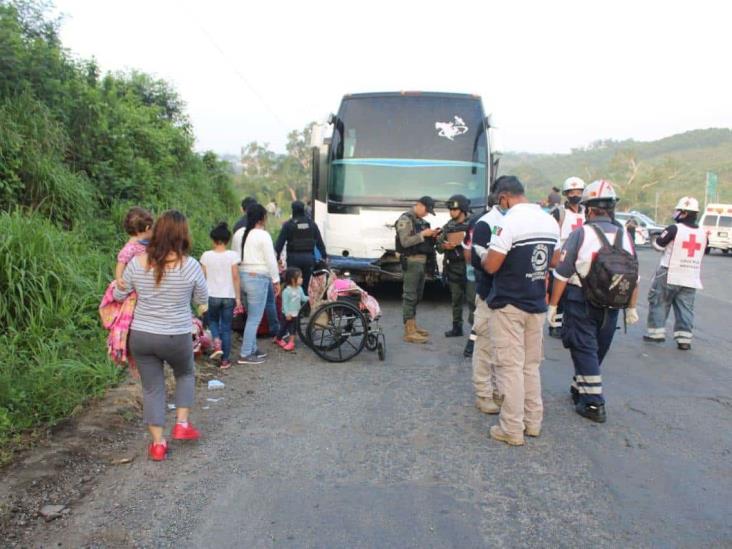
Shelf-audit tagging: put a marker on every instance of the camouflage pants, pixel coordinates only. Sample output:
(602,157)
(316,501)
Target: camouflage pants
(461,290)
(412,288)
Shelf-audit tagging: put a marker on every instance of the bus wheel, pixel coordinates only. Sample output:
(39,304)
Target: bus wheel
(707,250)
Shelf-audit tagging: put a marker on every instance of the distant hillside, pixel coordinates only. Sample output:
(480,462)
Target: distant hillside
(672,166)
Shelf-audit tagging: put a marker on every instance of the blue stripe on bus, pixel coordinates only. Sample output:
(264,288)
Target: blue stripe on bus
(407,162)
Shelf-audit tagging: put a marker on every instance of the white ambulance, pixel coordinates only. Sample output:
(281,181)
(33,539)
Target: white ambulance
(717,222)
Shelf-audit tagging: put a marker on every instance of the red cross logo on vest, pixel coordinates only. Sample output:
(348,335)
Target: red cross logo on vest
(577,223)
(691,246)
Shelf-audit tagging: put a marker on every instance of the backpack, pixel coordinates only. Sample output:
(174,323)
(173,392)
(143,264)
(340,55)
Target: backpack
(613,274)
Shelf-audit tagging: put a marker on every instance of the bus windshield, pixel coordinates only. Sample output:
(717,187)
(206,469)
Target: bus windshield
(398,148)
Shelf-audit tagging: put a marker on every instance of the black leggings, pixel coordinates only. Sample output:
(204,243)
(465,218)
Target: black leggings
(288,327)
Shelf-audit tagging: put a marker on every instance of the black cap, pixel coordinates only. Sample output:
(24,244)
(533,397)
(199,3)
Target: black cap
(505,184)
(428,203)
(298,208)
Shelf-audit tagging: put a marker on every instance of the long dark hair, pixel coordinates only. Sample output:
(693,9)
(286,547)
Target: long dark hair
(170,235)
(255,214)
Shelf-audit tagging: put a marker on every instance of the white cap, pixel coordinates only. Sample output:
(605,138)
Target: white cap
(688,204)
(573,183)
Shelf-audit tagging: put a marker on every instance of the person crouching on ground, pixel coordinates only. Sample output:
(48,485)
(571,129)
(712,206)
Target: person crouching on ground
(519,260)
(221,268)
(293,299)
(166,279)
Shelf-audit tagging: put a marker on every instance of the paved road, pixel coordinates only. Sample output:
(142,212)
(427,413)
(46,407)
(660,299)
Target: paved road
(301,453)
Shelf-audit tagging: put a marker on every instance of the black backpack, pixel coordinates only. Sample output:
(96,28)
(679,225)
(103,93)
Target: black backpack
(613,274)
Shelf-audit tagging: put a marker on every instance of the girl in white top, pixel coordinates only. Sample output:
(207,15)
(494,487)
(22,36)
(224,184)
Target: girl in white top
(221,268)
(257,270)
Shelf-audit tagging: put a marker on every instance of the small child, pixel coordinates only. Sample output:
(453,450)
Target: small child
(221,268)
(138,224)
(117,317)
(292,299)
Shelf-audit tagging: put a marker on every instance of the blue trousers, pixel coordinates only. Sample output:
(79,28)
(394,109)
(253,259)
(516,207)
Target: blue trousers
(587,332)
(256,287)
(661,297)
(220,314)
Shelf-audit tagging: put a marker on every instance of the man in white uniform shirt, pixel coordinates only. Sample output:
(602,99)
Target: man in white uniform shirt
(678,276)
(519,259)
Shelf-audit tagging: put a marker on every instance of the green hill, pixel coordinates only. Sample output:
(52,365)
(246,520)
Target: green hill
(670,167)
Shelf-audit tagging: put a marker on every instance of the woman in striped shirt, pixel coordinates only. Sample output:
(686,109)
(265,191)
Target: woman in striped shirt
(166,280)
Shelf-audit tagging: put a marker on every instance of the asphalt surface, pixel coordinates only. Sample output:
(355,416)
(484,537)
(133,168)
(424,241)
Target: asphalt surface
(302,453)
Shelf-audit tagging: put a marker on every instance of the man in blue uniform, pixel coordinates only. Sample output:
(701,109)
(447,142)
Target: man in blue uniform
(519,259)
(587,329)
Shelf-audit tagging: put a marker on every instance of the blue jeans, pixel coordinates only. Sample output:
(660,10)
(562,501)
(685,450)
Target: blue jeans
(257,287)
(220,313)
(661,297)
(273,321)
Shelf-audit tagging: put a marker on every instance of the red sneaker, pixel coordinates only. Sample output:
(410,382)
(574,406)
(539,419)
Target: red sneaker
(290,345)
(188,432)
(157,452)
(281,343)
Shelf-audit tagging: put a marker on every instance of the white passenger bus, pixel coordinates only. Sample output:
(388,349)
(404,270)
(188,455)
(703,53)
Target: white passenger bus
(383,151)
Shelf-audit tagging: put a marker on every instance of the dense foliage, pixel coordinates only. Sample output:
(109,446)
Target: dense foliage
(77,149)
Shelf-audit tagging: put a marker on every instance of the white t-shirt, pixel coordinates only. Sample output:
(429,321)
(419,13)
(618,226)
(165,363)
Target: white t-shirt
(218,272)
(259,254)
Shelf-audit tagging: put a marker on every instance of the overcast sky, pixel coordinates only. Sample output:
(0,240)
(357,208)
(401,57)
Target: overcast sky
(555,74)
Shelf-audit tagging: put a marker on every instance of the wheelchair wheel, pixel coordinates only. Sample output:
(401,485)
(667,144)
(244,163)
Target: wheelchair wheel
(337,331)
(303,318)
(381,350)
(372,341)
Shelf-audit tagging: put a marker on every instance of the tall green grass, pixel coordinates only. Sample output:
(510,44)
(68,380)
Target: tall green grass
(52,350)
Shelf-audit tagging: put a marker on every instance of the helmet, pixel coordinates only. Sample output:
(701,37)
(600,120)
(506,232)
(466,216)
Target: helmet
(572,183)
(688,204)
(600,194)
(458,201)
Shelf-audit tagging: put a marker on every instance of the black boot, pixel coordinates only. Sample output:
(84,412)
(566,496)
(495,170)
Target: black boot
(457,330)
(575,394)
(684,346)
(469,346)
(594,412)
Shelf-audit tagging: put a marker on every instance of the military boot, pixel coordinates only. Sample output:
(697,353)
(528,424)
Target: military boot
(420,331)
(469,348)
(457,330)
(410,333)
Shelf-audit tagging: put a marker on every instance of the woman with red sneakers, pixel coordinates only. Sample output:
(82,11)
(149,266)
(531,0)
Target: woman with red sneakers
(166,280)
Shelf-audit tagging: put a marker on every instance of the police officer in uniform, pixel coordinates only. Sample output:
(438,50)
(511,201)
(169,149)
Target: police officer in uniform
(587,331)
(570,217)
(414,243)
(302,236)
(454,266)
(678,276)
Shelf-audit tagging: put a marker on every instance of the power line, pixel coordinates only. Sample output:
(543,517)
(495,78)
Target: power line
(236,70)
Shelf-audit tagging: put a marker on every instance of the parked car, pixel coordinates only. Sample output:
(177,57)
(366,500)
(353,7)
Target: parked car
(647,227)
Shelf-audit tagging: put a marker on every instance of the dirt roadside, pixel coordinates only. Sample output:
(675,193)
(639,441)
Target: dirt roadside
(45,483)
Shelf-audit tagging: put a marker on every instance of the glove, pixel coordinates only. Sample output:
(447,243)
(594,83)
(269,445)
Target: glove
(551,315)
(201,309)
(631,316)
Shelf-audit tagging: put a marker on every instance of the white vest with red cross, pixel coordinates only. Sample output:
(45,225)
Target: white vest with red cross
(570,222)
(683,257)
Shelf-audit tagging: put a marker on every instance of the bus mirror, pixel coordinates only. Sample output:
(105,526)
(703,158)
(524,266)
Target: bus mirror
(331,118)
(316,135)
(495,141)
(490,121)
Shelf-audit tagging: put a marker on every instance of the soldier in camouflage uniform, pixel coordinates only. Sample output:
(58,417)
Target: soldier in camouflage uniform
(454,268)
(414,243)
